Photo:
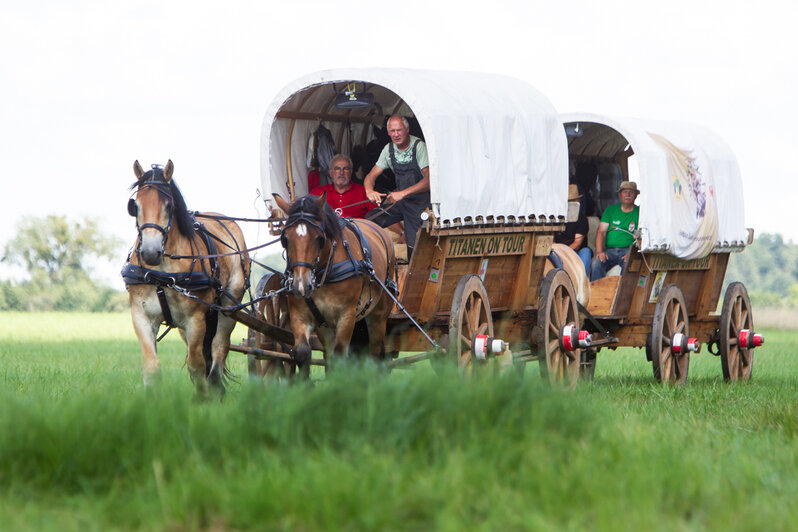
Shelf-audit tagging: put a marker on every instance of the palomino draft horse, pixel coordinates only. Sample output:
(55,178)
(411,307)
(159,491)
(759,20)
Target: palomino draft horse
(338,271)
(180,272)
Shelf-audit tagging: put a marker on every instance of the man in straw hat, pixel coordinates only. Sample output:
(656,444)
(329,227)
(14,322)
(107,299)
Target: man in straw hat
(575,233)
(616,231)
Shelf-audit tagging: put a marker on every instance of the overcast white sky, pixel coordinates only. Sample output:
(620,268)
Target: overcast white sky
(90,86)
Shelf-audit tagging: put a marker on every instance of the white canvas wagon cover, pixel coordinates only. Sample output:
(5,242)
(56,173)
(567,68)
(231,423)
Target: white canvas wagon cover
(691,200)
(496,146)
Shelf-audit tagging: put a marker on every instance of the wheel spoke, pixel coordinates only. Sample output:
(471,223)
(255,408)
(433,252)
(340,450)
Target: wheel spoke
(745,359)
(743,319)
(669,325)
(553,346)
(736,313)
(554,330)
(466,341)
(467,314)
(555,305)
(566,304)
(734,362)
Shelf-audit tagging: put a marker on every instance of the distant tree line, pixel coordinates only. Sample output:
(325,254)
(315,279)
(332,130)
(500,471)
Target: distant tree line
(769,269)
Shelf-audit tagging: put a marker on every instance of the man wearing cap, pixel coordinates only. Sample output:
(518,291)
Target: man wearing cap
(616,231)
(406,155)
(575,233)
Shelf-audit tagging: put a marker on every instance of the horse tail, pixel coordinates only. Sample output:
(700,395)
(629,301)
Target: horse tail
(211,321)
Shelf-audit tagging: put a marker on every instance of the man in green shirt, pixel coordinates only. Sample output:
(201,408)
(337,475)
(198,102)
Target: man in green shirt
(616,232)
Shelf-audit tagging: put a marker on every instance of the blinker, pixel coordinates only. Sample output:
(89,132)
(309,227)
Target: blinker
(132,208)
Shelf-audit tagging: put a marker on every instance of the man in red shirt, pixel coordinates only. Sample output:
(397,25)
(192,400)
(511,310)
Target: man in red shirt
(342,194)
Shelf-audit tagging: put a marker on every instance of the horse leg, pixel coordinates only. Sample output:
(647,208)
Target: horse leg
(219,350)
(195,358)
(343,334)
(301,327)
(146,314)
(376,322)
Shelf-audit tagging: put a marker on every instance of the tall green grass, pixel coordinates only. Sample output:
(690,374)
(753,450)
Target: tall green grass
(84,447)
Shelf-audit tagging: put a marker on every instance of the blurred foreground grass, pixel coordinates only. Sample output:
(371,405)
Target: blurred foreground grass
(84,447)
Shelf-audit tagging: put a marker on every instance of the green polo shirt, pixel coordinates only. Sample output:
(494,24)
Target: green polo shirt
(622,225)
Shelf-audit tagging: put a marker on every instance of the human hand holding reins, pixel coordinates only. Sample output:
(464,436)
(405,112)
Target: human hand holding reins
(374,196)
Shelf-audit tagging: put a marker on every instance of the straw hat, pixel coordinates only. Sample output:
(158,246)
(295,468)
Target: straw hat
(573,193)
(628,185)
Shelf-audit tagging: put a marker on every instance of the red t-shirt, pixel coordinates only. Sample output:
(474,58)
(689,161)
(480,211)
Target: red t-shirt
(342,203)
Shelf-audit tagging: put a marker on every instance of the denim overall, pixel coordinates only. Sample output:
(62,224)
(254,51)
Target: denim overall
(409,209)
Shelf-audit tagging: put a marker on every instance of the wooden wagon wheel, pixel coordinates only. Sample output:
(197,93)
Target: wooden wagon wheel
(470,316)
(670,317)
(274,311)
(556,308)
(735,316)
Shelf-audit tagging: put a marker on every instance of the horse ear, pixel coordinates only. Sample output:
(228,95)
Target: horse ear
(284,205)
(322,200)
(168,170)
(137,169)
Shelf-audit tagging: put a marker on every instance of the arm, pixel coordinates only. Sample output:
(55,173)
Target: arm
(421,186)
(577,243)
(601,235)
(368,184)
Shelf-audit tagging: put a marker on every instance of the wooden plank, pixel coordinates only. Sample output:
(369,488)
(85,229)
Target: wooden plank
(430,300)
(417,273)
(602,295)
(326,117)
(520,286)
(712,284)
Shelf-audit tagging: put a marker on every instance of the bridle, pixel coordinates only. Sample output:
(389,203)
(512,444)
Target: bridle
(132,209)
(315,222)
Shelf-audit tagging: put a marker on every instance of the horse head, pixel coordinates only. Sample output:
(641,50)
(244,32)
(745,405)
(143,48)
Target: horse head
(156,204)
(309,231)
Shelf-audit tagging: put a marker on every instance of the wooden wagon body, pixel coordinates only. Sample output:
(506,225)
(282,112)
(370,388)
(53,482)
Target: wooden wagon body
(691,220)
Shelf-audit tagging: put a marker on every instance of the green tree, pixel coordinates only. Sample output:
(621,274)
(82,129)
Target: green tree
(57,255)
(57,250)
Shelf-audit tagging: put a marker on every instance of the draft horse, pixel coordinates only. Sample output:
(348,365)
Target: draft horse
(180,272)
(337,272)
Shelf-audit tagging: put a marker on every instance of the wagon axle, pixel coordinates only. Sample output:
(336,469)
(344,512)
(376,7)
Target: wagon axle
(485,346)
(681,344)
(748,339)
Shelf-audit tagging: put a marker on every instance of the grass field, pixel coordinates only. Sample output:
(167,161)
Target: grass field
(84,447)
